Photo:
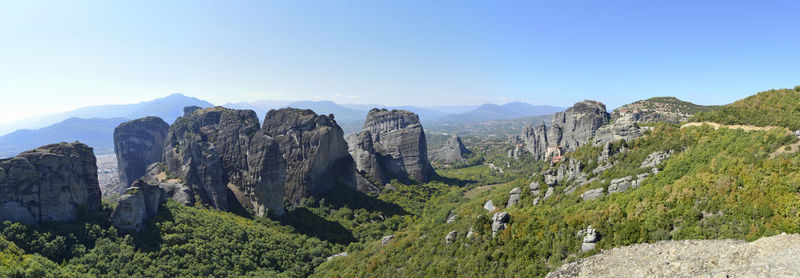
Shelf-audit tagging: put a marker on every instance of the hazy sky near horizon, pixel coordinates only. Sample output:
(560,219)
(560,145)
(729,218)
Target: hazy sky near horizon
(61,55)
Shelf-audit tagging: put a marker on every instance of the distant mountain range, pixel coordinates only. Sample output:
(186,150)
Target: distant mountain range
(168,108)
(95,125)
(486,112)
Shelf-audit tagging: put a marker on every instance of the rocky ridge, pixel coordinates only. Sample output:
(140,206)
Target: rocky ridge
(658,109)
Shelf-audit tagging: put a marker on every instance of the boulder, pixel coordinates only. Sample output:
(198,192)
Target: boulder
(499,221)
(343,254)
(534,187)
(470,233)
(592,194)
(385,240)
(451,236)
(49,183)
(489,206)
(513,197)
(620,184)
(451,217)
(453,151)
(654,159)
(315,151)
(394,141)
(137,144)
(224,158)
(140,202)
(590,238)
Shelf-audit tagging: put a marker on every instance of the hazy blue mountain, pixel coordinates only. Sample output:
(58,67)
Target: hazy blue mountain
(168,108)
(96,132)
(512,110)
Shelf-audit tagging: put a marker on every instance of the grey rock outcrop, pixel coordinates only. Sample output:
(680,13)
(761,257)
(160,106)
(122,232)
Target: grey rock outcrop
(573,128)
(624,183)
(174,188)
(654,159)
(49,183)
(140,202)
(513,197)
(398,147)
(385,240)
(489,206)
(315,152)
(548,193)
(451,236)
(535,188)
(590,238)
(619,130)
(451,217)
(592,194)
(226,160)
(137,144)
(499,222)
(570,130)
(453,151)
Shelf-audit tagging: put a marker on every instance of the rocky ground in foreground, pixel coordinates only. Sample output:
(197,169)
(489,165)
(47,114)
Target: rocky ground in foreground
(775,256)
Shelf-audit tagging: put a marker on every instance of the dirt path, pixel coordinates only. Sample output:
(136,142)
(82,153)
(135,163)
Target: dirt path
(742,127)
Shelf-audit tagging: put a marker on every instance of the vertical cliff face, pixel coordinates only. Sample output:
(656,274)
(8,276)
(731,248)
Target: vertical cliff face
(573,128)
(570,130)
(140,202)
(49,183)
(452,151)
(137,144)
(226,160)
(398,147)
(314,149)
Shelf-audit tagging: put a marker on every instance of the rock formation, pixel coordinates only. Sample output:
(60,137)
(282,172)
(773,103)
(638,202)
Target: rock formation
(139,203)
(453,151)
(395,142)
(138,143)
(489,206)
(226,160)
(573,128)
(451,236)
(590,238)
(174,188)
(314,149)
(49,183)
(592,194)
(513,197)
(385,240)
(499,221)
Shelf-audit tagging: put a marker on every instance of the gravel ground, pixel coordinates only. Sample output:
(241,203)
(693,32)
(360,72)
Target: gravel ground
(775,256)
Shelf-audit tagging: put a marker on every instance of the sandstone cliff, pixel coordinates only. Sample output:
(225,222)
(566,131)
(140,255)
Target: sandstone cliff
(225,159)
(137,144)
(398,145)
(49,183)
(314,149)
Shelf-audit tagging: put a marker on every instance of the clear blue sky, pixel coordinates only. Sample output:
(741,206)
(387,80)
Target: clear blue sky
(60,55)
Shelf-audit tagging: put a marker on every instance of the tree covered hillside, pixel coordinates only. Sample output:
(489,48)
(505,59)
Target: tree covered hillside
(717,184)
(769,108)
